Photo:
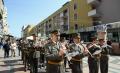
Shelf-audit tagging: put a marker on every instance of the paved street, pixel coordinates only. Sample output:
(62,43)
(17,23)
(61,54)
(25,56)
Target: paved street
(14,65)
(11,65)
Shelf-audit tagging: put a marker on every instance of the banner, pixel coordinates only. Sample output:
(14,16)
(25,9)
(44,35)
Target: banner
(101,28)
(102,31)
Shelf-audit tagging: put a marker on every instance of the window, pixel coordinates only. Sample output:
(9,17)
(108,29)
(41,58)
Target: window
(76,26)
(75,16)
(46,26)
(115,37)
(65,27)
(75,6)
(49,25)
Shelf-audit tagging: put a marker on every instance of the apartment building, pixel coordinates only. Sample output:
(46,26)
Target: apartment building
(81,16)
(27,31)
(72,16)
(104,11)
(5,23)
(1,16)
(3,19)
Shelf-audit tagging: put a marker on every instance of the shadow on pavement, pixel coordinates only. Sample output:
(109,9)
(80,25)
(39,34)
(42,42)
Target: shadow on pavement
(13,70)
(11,61)
(12,64)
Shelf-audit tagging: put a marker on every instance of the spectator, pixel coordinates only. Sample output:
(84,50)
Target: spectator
(6,48)
(13,48)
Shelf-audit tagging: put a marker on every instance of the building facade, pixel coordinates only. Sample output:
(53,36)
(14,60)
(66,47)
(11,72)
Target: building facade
(72,16)
(82,16)
(3,19)
(1,16)
(27,31)
(104,11)
(5,23)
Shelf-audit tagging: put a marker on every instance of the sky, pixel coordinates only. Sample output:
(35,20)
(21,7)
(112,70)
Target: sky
(24,12)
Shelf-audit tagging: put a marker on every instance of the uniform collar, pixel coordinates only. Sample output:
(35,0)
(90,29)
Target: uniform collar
(77,44)
(54,43)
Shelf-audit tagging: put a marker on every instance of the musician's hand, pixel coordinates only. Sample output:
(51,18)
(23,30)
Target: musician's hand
(61,53)
(85,52)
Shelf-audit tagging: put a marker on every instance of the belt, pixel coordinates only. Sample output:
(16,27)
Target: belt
(79,60)
(104,54)
(55,63)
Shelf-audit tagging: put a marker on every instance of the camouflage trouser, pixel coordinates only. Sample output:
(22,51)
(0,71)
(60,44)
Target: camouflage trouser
(51,68)
(76,67)
(93,65)
(104,64)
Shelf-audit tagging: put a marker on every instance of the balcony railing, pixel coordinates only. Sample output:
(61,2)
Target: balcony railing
(93,1)
(0,14)
(93,13)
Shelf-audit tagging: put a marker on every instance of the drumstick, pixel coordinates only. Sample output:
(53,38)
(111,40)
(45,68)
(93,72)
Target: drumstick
(90,53)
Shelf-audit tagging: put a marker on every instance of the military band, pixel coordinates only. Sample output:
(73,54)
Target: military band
(55,53)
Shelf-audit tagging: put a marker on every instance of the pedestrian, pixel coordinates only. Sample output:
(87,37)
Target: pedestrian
(1,44)
(54,54)
(19,44)
(6,48)
(104,56)
(80,49)
(13,48)
(109,43)
(93,60)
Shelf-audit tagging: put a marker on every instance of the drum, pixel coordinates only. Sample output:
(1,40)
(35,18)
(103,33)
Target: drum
(94,50)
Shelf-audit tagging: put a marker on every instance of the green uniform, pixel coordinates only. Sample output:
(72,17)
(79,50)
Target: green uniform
(55,62)
(76,61)
(104,59)
(93,62)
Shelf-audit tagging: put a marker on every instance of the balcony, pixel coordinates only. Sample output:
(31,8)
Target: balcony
(93,13)
(65,27)
(94,2)
(65,17)
(0,14)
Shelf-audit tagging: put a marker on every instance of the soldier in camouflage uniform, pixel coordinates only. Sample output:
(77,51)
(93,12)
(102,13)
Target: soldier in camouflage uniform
(54,54)
(93,61)
(104,56)
(76,61)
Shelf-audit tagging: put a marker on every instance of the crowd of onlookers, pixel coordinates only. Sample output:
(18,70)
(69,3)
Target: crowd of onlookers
(10,46)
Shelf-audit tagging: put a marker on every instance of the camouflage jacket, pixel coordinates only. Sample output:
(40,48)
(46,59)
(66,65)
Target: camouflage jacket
(52,52)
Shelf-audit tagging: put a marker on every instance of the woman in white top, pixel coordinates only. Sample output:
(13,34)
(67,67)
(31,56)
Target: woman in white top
(13,48)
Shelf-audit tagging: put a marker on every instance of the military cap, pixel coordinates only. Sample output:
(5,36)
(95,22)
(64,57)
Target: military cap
(56,32)
(93,38)
(101,39)
(76,35)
